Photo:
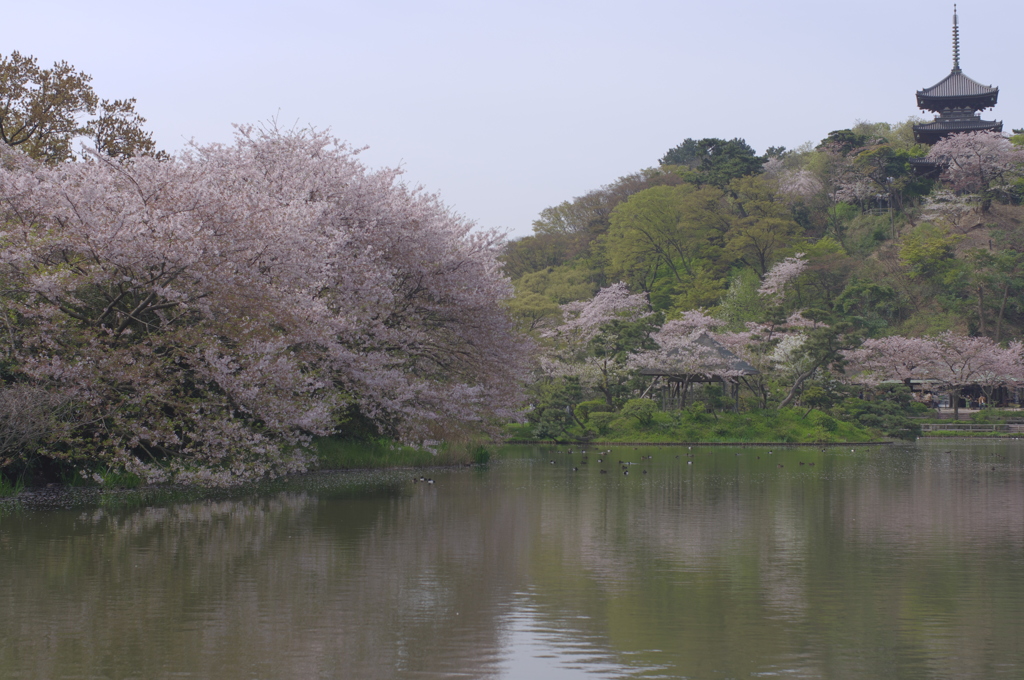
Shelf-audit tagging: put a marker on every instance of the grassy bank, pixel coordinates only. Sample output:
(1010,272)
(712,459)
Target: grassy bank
(782,426)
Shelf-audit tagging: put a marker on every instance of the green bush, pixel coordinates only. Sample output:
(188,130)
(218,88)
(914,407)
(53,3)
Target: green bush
(584,409)
(641,409)
(824,421)
(601,421)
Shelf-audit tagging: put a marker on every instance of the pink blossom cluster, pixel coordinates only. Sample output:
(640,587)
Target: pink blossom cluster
(949,359)
(974,161)
(685,348)
(584,318)
(783,272)
(208,315)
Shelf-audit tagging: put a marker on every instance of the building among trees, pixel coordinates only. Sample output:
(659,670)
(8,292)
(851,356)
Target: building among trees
(957,99)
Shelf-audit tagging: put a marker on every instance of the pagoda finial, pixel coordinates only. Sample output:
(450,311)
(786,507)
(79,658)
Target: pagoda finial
(956,42)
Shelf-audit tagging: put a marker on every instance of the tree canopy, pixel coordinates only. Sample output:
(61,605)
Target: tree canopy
(202,318)
(43,111)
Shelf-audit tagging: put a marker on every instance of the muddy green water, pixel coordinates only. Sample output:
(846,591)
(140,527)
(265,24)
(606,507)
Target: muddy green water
(884,562)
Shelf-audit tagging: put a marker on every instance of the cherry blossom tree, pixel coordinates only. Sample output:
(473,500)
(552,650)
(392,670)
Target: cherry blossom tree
(978,162)
(962,360)
(780,274)
(206,316)
(952,360)
(596,338)
(892,358)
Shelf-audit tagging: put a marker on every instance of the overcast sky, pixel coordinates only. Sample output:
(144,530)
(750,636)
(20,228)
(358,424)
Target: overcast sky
(505,108)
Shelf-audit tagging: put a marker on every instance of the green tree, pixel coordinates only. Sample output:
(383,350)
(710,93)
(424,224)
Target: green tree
(43,110)
(641,409)
(765,228)
(715,161)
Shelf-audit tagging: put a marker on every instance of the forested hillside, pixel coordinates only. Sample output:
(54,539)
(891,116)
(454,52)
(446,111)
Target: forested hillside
(806,253)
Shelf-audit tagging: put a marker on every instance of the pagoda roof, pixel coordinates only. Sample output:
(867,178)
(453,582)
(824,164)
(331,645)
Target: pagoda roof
(943,126)
(958,84)
(957,90)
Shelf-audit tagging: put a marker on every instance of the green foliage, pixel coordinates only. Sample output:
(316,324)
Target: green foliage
(873,306)
(843,141)
(641,409)
(481,455)
(538,252)
(741,302)
(716,161)
(824,421)
(43,110)
(929,251)
(890,410)
(558,284)
(533,311)
(771,425)
(585,409)
(553,403)
(601,421)
(11,487)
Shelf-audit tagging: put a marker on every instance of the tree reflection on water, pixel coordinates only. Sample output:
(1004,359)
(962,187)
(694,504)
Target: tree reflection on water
(897,562)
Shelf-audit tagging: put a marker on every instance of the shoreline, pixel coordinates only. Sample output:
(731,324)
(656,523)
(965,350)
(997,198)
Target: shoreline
(551,442)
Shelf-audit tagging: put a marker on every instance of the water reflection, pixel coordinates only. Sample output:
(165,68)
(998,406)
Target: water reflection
(895,562)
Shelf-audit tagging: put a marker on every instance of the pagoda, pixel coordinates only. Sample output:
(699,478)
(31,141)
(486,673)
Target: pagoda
(957,100)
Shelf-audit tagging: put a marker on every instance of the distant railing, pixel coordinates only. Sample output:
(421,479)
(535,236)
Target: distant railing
(972,427)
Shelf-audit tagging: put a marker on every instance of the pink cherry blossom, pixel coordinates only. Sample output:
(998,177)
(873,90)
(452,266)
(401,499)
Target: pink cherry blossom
(208,315)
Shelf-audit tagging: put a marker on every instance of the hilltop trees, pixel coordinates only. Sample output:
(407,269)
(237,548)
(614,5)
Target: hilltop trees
(43,110)
(202,318)
(715,161)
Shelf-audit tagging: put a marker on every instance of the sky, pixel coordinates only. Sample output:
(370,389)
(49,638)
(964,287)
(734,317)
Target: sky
(504,108)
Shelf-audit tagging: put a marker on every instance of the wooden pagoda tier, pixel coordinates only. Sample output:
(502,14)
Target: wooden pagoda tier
(951,122)
(957,99)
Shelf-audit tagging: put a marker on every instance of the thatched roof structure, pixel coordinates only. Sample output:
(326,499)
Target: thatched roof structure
(716,362)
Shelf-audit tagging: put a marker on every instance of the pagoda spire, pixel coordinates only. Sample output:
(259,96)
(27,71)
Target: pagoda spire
(956,42)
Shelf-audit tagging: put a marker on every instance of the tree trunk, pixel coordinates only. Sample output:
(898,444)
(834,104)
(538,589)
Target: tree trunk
(796,386)
(981,310)
(1002,310)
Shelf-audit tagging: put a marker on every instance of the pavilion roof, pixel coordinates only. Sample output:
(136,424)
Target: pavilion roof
(719,361)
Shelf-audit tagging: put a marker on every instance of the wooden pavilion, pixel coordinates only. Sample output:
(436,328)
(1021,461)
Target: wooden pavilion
(718,365)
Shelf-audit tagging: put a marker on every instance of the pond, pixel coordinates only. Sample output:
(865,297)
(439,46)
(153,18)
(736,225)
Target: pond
(893,561)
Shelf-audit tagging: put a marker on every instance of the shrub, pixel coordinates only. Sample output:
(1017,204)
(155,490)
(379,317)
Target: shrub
(641,409)
(601,421)
(584,409)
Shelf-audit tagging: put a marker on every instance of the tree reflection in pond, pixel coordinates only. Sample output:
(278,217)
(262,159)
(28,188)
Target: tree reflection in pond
(889,562)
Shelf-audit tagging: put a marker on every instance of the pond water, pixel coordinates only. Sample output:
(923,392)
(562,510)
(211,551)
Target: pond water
(894,562)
